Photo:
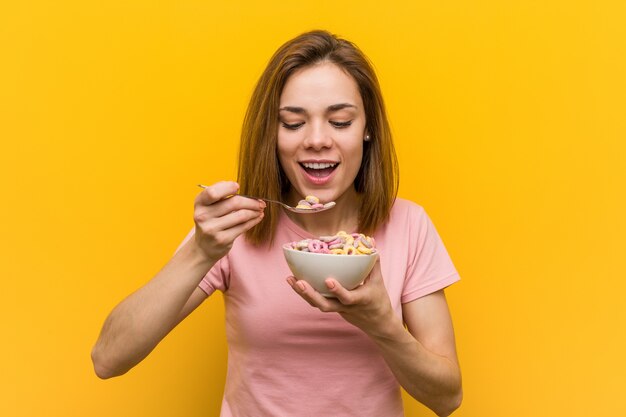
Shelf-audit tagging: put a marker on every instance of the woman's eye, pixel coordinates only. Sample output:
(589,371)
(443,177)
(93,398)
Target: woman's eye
(292,126)
(341,125)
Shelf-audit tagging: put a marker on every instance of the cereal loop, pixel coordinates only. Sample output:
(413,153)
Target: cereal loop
(317,246)
(364,250)
(350,250)
(312,199)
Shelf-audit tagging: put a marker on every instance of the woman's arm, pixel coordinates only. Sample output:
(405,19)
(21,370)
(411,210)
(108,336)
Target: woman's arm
(134,328)
(423,359)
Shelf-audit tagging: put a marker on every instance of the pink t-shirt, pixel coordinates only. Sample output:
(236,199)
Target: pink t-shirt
(286,358)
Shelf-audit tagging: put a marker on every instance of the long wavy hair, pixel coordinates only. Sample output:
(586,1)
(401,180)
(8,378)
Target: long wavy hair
(259,169)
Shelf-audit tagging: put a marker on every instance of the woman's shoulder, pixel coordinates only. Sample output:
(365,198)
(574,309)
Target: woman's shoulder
(402,207)
(404,215)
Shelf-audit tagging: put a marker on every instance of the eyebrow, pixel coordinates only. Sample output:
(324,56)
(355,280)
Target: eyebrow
(329,109)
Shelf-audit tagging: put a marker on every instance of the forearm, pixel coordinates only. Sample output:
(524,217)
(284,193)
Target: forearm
(139,323)
(431,379)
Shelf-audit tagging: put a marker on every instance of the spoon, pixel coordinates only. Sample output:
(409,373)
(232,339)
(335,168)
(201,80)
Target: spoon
(327,206)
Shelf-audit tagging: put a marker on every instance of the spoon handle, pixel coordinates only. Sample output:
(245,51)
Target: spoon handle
(264,199)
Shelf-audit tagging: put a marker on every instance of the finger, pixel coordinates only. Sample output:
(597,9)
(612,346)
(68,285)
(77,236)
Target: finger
(234,203)
(375,274)
(227,213)
(216,192)
(231,233)
(231,219)
(345,296)
(226,206)
(314,298)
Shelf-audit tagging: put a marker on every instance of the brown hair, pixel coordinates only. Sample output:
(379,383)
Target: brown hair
(259,171)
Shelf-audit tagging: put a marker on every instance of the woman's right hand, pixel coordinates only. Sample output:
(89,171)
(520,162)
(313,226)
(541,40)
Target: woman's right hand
(220,216)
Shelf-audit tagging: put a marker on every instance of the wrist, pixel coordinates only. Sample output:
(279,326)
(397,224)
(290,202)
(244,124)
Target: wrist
(193,255)
(389,327)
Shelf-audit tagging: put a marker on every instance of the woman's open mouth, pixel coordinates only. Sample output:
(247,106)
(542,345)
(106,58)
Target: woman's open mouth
(319,172)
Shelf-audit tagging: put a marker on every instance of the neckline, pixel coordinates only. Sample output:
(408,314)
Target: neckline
(291,225)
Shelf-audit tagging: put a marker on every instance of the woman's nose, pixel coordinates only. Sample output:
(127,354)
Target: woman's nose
(318,138)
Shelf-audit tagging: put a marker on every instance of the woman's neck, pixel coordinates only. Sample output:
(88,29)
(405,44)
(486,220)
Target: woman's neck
(344,216)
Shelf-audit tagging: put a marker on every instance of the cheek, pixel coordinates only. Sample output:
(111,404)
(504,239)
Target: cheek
(356,156)
(287,143)
(284,153)
(355,149)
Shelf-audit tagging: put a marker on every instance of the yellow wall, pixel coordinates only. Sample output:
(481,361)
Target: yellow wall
(510,125)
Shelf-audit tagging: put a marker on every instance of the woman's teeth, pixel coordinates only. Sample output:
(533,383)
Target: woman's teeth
(316,165)
(319,169)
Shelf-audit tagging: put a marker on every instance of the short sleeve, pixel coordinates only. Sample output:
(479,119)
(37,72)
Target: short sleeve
(218,275)
(430,268)
(216,278)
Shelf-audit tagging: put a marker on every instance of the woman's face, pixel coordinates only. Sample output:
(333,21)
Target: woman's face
(320,133)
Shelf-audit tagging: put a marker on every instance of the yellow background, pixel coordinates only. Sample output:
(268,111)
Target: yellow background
(510,124)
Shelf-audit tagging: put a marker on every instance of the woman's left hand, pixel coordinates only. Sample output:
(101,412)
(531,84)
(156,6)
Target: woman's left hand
(367,306)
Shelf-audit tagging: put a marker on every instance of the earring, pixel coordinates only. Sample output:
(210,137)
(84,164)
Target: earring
(366,138)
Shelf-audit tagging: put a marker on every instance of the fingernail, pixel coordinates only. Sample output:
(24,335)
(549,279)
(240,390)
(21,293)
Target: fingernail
(300,285)
(330,284)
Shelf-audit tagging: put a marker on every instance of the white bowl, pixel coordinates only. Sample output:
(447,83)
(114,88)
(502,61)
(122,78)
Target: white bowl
(315,268)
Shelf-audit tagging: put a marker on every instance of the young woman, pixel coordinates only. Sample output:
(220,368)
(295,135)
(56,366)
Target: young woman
(316,125)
